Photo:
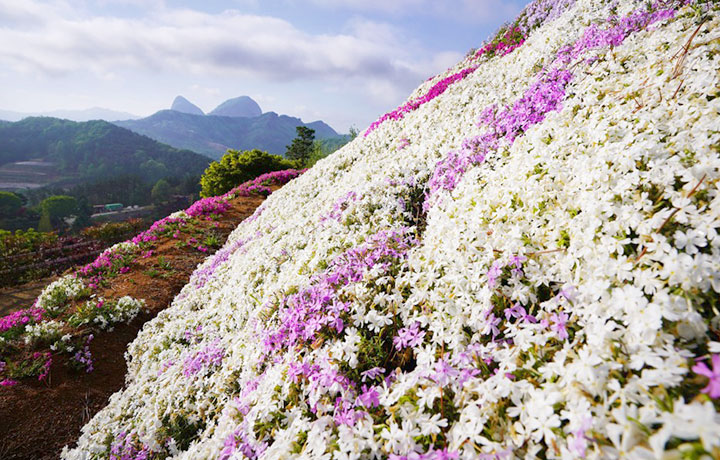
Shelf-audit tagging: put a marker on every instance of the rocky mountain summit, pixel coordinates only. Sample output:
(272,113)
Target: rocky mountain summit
(180,104)
(242,106)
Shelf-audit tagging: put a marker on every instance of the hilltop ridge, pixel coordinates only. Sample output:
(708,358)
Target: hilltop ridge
(212,134)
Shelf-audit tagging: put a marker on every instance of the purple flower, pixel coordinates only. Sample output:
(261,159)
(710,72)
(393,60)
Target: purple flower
(211,355)
(444,373)
(713,386)
(516,311)
(409,337)
(491,325)
(372,373)
(369,397)
(559,323)
(494,273)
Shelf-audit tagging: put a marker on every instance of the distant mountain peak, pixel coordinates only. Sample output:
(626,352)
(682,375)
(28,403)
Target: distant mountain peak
(180,104)
(243,106)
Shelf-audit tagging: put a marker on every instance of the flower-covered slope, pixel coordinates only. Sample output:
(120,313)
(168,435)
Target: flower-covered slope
(521,261)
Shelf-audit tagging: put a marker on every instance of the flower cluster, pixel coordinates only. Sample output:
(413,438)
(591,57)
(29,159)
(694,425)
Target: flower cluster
(46,331)
(535,274)
(108,264)
(20,319)
(106,313)
(54,298)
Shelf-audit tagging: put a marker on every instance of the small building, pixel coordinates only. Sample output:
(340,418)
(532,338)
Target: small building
(113,207)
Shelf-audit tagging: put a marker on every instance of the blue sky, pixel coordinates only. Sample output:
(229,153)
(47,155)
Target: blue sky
(343,61)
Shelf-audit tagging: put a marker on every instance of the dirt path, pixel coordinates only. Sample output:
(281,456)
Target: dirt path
(18,297)
(38,418)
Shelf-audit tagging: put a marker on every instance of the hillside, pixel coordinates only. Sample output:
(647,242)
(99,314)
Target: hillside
(521,261)
(94,150)
(212,135)
(64,351)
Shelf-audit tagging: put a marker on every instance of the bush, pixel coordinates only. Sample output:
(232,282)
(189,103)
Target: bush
(59,206)
(114,232)
(10,204)
(236,167)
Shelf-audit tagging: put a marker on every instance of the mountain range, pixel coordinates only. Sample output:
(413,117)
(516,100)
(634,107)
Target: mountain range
(237,123)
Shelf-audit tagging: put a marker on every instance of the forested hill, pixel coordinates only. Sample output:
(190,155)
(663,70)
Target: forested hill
(213,135)
(94,149)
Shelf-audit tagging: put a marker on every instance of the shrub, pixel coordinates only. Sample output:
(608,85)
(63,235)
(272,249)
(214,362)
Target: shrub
(10,204)
(236,167)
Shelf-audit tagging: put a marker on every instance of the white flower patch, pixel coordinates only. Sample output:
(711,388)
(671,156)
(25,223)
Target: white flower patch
(558,300)
(47,331)
(56,295)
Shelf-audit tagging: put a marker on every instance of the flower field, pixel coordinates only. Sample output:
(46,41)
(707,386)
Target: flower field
(521,261)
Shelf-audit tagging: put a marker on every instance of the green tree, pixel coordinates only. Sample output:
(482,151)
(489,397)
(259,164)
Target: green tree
(45,225)
(10,204)
(56,208)
(353,132)
(161,191)
(236,167)
(83,213)
(302,146)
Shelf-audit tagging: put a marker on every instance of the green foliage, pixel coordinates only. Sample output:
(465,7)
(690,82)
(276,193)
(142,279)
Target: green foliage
(302,146)
(114,232)
(324,147)
(94,150)
(26,368)
(10,204)
(45,225)
(54,209)
(161,191)
(237,167)
(24,241)
(353,132)
(182,428)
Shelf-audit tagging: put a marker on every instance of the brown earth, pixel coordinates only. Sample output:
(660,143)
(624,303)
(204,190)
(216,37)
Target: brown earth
(18,297)
(38,418)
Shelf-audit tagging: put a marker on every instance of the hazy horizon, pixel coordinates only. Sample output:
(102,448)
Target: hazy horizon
(344,62)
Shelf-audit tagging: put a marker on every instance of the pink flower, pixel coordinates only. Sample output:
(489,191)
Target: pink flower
(124,269)
(713,387)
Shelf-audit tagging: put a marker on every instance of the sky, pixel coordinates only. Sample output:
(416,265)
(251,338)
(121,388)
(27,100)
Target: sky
(345,62)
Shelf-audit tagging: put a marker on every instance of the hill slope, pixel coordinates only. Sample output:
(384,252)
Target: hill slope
(213,135)
(94,149)
(522,261)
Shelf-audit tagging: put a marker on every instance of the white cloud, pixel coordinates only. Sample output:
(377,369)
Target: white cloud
(203,44)
(482,11)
